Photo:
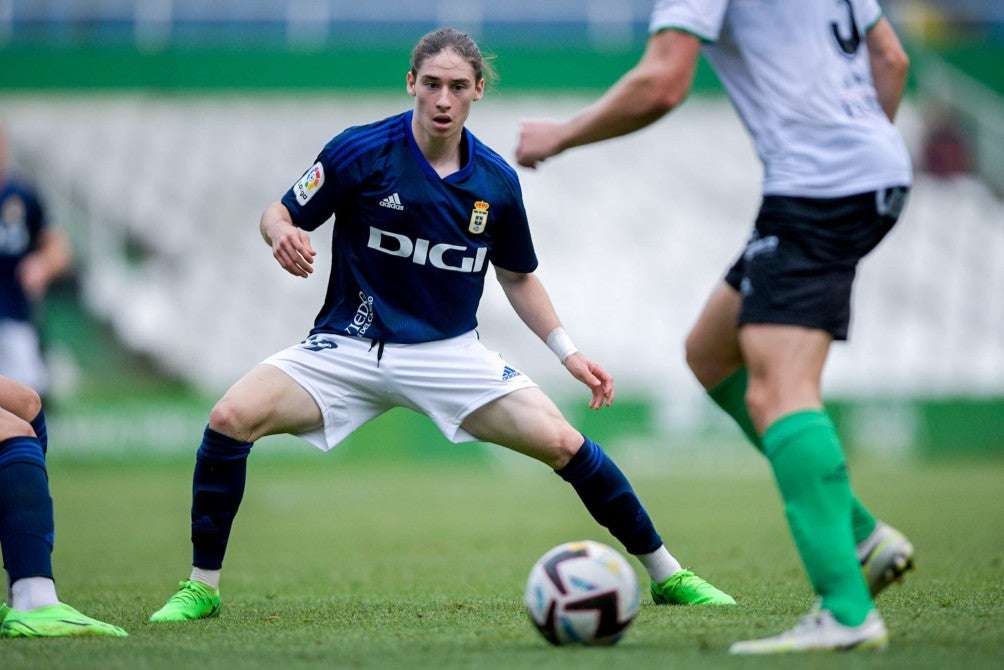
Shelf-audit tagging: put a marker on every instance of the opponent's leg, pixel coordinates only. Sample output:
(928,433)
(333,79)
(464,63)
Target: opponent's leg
(714,356)
(527,421)
(730,396)
(811,475)
(801,444)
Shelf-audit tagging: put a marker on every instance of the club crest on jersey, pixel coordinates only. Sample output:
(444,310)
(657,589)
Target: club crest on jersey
(479,217)
(309,183)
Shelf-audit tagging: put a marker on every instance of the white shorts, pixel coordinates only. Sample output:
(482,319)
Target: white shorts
(446,380)
(21,356)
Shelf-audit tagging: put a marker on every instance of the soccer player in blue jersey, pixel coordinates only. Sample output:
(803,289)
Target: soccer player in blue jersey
(31,608)
(817,85)
(421,209)
(33,253)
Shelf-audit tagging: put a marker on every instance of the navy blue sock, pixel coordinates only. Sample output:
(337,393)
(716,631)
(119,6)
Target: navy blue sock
(26,522)
(609,497)
(38,424)
(217,490)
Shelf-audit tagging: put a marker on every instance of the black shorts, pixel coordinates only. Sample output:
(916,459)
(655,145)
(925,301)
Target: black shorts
(800,262)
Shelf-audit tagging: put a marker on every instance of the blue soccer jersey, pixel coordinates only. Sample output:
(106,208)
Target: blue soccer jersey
(410,249)
(22,219)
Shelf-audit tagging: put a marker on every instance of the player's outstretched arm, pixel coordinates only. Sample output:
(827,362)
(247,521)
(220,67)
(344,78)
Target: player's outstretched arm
(531,303)
(659,82)
(889,65)
(49,262)
(290,245)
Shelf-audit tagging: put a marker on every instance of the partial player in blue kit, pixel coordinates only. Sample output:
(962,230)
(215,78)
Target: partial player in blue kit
(421,209)
(27,527)
(817,84)
(33,253)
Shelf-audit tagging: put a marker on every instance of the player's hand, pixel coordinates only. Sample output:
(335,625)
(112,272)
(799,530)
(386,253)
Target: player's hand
(33,275)
(291,248)
(538,140)
(590,373)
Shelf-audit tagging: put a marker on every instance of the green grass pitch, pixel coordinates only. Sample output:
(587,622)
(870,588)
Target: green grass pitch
(342,563)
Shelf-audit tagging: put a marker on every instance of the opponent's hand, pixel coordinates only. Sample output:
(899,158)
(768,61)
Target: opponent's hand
(590,373)
(538,140)
(291,248)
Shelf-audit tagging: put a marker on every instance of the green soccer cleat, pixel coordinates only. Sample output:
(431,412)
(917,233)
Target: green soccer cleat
(819,631)
(686,588)
(194,600)
(3,611)
(55,621)
(885,556)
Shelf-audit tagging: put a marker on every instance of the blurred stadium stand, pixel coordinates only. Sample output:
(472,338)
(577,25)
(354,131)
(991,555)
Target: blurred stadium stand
(162,186)
(155,24)
(171,191)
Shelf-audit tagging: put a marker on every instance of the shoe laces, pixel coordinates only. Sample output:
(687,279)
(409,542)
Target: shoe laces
(688,579)
(811,621)
(190,593)
(682,577)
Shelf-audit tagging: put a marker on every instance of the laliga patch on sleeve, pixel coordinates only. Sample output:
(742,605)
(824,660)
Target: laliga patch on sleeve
(309,184)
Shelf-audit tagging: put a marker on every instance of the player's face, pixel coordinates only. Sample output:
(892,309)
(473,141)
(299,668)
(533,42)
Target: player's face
(444,88)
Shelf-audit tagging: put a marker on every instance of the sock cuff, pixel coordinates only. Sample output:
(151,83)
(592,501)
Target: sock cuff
(723,390)
(585,463)
(219,447)
(21,450)
(779,432)
(38,425)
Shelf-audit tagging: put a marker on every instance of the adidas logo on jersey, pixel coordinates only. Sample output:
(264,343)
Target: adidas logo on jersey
(392,201)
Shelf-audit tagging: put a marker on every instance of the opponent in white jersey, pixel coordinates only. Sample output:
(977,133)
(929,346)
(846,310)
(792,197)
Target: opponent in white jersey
(420,208)
(800,78)
(817,84)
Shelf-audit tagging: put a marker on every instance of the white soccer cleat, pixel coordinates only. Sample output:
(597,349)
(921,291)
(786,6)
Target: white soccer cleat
(819,631)
(885,556)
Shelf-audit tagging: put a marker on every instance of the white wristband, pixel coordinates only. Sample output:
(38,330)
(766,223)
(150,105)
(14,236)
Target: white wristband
(561,344)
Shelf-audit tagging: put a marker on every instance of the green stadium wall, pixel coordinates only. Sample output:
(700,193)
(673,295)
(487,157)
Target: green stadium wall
(33,69)
(44,68)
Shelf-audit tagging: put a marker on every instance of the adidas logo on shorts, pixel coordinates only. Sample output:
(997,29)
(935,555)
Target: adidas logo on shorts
(508,373)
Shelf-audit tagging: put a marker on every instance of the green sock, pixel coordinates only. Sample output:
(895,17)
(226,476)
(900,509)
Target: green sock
(730,395)
(811,474)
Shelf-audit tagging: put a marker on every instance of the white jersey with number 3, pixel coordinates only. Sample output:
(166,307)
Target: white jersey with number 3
(798,73)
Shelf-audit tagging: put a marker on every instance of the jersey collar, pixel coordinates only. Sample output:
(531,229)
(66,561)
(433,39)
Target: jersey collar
(460,174)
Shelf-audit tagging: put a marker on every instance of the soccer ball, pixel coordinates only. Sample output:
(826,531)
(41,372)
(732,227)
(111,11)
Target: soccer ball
(582,593)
